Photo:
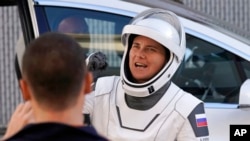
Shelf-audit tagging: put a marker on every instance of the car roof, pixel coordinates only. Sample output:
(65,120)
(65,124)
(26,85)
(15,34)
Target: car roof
(111,4)
(197,16)
(194,21)
(177,7)
(191,19)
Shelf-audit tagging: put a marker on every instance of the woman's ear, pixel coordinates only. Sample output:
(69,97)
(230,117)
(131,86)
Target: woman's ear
(88,80)
(24,89)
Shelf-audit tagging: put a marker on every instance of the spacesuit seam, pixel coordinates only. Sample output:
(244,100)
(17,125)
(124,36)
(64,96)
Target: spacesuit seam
(174,109)
(115,82)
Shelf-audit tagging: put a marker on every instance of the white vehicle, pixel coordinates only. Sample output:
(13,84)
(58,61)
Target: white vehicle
(216,68)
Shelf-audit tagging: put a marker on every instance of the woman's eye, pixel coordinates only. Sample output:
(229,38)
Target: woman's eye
(151,49)
(135,46)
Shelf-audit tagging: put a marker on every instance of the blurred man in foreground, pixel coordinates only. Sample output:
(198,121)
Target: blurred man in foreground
(54,83)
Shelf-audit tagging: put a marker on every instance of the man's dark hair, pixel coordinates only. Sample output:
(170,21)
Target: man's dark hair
(54,66)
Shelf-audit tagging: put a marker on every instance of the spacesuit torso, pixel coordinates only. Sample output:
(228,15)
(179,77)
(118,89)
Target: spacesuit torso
(111,116)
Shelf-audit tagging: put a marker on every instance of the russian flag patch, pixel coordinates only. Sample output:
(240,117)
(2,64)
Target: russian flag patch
(201,120)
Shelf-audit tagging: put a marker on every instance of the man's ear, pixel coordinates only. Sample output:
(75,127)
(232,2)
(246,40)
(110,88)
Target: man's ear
(88,83)
(24,89)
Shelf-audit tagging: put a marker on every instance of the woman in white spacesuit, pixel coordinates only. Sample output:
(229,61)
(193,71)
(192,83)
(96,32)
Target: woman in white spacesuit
(143,104)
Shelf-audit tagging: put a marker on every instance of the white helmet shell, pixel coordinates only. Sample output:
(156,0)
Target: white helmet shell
(165,28)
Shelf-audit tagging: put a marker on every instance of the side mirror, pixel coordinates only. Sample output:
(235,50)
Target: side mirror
(244,99)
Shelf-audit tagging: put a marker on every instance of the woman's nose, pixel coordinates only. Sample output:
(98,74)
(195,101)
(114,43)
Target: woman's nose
(140,53)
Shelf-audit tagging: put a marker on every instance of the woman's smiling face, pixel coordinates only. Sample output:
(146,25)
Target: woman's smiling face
(146,58)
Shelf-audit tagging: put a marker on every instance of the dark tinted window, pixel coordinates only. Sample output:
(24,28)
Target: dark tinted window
(211,73)
(95,31)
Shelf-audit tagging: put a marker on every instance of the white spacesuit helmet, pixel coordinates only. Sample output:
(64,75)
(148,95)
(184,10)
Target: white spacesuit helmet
(165,28)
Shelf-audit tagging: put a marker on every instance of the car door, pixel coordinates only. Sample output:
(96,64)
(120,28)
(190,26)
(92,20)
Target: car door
(214,69)
(215,76)
(103,22)
(29,29)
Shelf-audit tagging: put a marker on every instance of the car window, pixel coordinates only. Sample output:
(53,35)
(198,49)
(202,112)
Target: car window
(208,71)
(95,31)
(211,73)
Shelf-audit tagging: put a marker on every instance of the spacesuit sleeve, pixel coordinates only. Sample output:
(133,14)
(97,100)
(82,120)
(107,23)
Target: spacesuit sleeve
(88,105)
(195,127)
(88,108)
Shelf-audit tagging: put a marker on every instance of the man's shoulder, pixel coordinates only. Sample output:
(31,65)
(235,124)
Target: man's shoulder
(56,131)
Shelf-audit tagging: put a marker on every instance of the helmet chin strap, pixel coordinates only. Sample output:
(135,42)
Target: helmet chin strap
(145,103)
(141,92)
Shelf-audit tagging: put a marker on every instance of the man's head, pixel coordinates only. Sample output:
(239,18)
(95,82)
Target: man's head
(73,24)
(54,71)
(161,31)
